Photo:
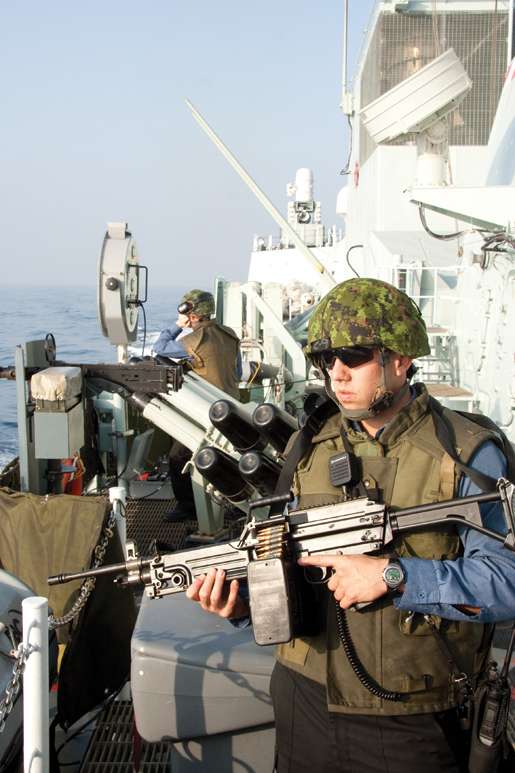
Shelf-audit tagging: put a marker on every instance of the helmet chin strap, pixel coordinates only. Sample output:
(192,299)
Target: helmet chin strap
(383,397)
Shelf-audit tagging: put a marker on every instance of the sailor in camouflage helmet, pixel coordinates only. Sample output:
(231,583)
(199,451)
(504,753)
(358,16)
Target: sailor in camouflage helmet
(376,689)
(212,351)
(361,319)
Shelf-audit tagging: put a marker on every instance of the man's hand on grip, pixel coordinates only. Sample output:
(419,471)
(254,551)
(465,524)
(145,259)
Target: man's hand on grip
(355,579)
(217,596)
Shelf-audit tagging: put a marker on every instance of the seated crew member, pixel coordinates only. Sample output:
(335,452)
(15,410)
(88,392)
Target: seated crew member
(213,353)
(213,349)
(364,336)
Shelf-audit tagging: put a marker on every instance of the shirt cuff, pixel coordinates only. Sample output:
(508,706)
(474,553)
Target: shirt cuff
(421,574)
(421,584)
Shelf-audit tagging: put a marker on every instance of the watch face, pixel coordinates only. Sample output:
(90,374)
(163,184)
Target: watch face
(393,575)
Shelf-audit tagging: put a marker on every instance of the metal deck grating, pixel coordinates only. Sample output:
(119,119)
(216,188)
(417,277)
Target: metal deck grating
(111,747)
(145,524)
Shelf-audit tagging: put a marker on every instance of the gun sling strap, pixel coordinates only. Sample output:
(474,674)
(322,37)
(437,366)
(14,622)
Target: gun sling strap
(445,434)
(313,424)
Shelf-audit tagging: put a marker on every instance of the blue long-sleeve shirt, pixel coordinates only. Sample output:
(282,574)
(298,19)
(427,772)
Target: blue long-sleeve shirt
(168,345)
(484,576)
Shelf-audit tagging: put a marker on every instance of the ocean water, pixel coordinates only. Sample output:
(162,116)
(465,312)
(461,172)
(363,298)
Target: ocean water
(70,313)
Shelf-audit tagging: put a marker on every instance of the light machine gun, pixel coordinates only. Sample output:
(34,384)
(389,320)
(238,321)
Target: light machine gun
(267,551)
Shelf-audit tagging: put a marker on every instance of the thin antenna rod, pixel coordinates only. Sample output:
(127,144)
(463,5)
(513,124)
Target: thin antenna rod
(304,250)
(345,46)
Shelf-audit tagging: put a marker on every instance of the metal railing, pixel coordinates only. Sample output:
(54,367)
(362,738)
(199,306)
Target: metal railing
(435,302)
(429,288)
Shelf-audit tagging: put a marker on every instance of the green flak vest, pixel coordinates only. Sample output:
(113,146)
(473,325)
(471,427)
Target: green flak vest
(214,352)
(397,648)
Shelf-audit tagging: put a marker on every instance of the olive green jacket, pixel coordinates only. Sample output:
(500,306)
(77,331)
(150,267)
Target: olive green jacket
(397,648)
(214,352)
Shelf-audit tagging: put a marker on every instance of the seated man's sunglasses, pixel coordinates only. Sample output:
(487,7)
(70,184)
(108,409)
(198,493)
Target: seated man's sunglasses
(351,356)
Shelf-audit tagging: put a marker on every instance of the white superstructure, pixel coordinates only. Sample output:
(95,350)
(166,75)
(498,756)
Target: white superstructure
(455,167)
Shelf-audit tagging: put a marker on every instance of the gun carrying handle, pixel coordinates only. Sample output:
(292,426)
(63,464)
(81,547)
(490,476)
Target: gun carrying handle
(277,499)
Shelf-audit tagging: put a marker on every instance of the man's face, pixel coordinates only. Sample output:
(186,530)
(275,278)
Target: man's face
(355,388)
(183,320)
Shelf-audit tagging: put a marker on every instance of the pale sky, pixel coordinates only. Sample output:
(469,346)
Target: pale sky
(94,128)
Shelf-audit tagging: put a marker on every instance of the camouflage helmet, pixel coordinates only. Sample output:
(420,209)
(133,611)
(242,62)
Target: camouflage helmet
(368,312)
(201,303)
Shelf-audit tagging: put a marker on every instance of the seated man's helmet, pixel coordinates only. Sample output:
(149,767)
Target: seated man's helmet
(197,302)
(368,312)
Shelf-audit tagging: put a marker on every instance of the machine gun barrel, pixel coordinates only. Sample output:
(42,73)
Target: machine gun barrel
(139,564)
(148,376)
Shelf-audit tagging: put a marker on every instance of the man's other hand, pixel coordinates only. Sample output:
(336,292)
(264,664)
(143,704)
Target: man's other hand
(217,596)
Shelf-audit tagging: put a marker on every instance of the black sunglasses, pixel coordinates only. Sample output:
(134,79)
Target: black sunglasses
(351,356)
(185,307)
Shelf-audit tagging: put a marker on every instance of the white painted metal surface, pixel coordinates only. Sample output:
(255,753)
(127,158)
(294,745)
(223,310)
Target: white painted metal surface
(118,286)
(491,208)
(501,145)
(35,686)
(302,189)
(418,101)
(118,499)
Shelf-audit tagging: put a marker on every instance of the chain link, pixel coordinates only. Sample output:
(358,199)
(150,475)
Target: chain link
(89,583)
(22,653)
(13,686)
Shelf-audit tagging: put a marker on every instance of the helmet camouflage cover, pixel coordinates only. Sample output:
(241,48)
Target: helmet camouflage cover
(202,302)
(368,312)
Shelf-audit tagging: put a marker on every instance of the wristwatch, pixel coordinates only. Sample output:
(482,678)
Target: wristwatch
(393,574)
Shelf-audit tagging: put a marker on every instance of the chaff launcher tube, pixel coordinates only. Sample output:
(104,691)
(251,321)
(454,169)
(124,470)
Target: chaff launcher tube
(169,419)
